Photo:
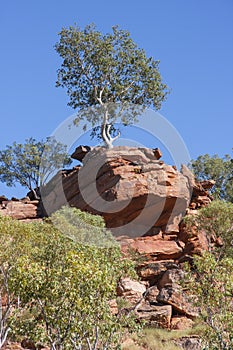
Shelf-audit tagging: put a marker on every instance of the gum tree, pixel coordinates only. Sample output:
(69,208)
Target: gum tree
(219,169)
(102,70)
(22,162)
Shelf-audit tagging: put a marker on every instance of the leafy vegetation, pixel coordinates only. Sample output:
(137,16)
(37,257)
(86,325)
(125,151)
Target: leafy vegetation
(22,162)
(82,227)
(218,169)
(102,70)
(59,290)
(211,277)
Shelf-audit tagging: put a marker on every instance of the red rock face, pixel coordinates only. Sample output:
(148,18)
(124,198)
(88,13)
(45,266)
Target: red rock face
(152,248)
(131,188)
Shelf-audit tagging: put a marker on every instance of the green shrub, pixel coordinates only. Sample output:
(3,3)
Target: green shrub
(211,278)
(62,287)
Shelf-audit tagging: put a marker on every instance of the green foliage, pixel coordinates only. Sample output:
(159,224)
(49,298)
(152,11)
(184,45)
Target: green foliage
(211,278)
(82,227)
(22,162)
(105,69)
(217,221)
(12,236)
(63,288)
(212,284)
(219,169)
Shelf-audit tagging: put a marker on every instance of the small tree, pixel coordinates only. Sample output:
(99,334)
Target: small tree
(104,70)
(22,162)
(218,169)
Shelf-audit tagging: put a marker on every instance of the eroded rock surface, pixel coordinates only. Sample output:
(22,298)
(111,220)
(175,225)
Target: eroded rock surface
(134,191)
(24,210)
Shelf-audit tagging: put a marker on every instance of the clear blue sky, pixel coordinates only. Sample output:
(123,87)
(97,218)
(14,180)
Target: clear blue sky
(192,39)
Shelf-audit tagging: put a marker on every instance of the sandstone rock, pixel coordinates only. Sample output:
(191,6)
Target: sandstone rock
(144,303)
(133,190)
(151,295)
(171,293)
(207,184)
(171,278)
(190,177)
(154,249)
(157,153)
(200,195)
(195,240)
(127,285)
(131,290)
(181,323)
(21,210)
(174,297)
(12,346)
(129,343)
(155,315)
(80,152)
(153,270)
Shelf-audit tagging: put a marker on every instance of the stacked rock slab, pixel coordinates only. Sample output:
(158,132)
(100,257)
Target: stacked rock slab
(131,188)
(23,210)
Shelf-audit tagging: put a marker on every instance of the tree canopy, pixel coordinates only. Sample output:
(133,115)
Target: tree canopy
(220,170)
(102,70)
(22,162)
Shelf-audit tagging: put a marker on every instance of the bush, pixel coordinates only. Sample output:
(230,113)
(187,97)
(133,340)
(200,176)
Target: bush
(211,277)
(63,288)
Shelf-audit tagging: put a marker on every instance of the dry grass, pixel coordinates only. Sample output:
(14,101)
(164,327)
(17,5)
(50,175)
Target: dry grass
(158,339)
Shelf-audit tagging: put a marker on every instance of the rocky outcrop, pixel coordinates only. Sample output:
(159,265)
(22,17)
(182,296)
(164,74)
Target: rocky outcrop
(162,303)
(131,188)
(24,210)
(143,202)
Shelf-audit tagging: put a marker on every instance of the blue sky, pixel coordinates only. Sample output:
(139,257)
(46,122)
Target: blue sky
(192,39)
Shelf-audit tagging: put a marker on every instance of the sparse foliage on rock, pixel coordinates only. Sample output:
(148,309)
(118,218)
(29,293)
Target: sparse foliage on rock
(101,70)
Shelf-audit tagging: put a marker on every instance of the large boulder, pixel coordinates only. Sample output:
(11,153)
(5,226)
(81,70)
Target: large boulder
(158,316)
(131,188)
(172,293)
